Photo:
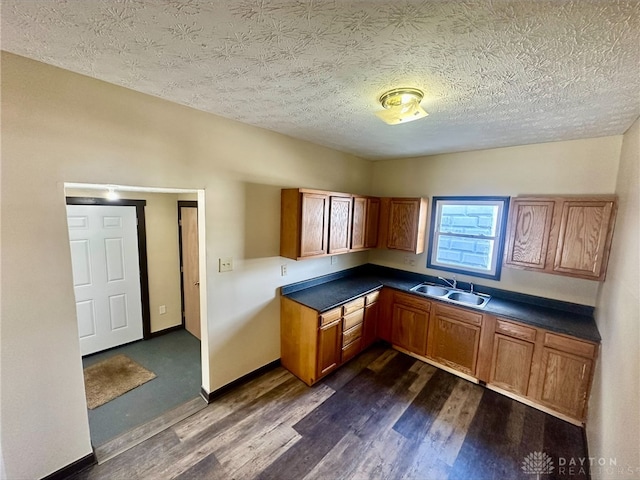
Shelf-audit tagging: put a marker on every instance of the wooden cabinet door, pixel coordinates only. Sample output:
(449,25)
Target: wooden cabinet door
(403,223)
(372,221)
(564,382)
(385,314)
(511,364)
(409,327)
(584,238)
(370,322)
(529,230)
(329,347)
(455,343)
(358,223)
(314,225)
(339,224)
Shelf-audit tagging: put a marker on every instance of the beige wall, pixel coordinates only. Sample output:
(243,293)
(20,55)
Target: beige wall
(613,428)
(573,167)
(163,257)
(61,127)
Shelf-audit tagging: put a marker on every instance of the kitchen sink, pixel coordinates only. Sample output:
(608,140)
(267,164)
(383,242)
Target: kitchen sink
(431,290)
(476,300)
(468,298)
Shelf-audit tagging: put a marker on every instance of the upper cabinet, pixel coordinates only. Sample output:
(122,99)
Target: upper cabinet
(372,222)
(364,221)
(304,225)
(529,229)
(405,223)
(561,235)
(317,223)
(358,223)
(339,224)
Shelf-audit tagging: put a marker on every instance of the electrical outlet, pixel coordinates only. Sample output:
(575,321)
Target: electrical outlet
(225,264)
(334,260)
(283,270)
(412,262)
(163,309)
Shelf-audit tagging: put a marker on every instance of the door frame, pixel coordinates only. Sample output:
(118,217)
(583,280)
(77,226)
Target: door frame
(188,204)
(142,249)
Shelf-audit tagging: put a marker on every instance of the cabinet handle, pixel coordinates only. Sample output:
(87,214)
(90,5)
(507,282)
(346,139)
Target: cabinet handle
(197,284)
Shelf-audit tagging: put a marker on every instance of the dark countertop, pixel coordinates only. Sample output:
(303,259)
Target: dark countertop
(330,291)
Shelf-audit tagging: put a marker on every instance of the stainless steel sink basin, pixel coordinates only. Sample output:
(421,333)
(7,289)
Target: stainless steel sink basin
(467,298)
(460,297)
(432,290)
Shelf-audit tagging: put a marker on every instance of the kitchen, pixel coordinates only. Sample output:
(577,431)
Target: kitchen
(61,127)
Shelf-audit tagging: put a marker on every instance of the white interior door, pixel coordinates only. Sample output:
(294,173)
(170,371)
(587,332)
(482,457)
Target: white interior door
(106,275)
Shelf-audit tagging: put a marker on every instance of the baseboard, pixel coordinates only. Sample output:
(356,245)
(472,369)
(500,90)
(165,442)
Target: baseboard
(73,468)
(211,396)
(166,330)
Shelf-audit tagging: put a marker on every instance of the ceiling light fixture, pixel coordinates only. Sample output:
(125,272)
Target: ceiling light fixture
(401,105)
(111,193)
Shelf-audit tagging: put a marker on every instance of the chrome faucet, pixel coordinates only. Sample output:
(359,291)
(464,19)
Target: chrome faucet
(452,283)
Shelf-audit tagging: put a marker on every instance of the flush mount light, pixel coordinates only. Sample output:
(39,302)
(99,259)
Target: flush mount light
(111,193)
(401,105)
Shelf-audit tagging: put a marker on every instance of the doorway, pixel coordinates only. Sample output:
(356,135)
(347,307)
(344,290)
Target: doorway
(189,265)
(167,346)
(108,257)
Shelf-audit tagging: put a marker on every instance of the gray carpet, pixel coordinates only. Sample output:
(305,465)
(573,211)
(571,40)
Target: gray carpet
(174,358)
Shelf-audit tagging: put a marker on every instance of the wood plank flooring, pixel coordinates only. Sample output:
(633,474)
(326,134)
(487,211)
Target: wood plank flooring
(384,415)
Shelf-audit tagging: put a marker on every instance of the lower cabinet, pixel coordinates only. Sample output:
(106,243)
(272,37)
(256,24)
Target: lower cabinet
(512,357)
(410,323)
(455,338)
(511,364)
(385,314)
(329,347)
(548,369)
(313,344)
(565,374)
(371,316)
(544,369)
(352,328)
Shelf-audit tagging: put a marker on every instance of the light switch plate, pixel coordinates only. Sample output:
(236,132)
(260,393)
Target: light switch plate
(225,264)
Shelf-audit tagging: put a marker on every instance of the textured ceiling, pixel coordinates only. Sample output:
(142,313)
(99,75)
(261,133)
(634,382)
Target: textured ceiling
(495,73)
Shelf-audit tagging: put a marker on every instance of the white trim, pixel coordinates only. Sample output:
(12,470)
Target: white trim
(128,188)
(495,238)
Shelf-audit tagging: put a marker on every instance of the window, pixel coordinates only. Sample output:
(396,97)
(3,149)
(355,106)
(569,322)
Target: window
(467,235)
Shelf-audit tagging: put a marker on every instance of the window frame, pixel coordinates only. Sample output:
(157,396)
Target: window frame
(499,238)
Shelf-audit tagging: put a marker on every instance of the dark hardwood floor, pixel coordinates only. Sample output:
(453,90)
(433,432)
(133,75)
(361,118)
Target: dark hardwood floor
(384,415)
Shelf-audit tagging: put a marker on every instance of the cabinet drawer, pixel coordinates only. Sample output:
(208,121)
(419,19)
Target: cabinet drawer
(515,330)
(459,314)
(353,319)
(351,335)
(351,350)
(330,316)
(569,345)
(372,297)
(412,301)
(352,306)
